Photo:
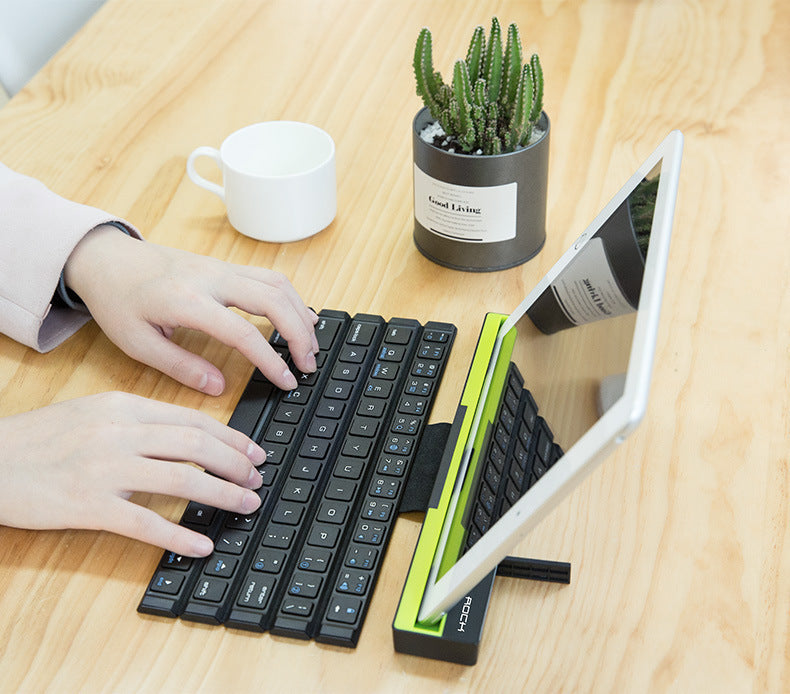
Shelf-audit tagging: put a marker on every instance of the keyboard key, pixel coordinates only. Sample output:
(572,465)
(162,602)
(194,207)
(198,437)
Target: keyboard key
(314,559)
(369,533)
(376,509)
(288,413)
(269,561)
(344,609)
(392,465)
(371,407)
(384,487)
(171,560)
(330,409)
(401,445)
(298,396)
(306,469)
(355,582)
(288,513)
(167,583)
(221,566)
(399,335)
(322,428)
(436,336)
(338,390)
(340,490)
(297,490)
(323,536)
(352,355)
(345,372)
(361,557)
(361,334)
(256,591)
(297,606)
(279,433)
(305,585)
(418,386)
(325,331)
(238,522)
(431,351)
(379,390)
(425,368)
(198,514)
(232,542)
(211,590)
(279,536)
(409,405)
(314,448)
(385,371)
(332,512)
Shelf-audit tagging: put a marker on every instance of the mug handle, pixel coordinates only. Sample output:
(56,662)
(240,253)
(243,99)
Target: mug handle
(212,153)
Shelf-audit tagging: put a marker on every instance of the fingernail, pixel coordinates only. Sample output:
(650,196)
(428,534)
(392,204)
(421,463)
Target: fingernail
(211,384)
(250,502)
(255,480)
(289,380)
(313,315)
(256,454)
(315,344)
(311,364)
(202,546)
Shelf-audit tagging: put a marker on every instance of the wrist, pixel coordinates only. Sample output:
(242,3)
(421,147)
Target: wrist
(87,256)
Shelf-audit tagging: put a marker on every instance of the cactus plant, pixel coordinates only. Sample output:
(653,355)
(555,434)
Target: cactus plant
(642,206)
(494,101)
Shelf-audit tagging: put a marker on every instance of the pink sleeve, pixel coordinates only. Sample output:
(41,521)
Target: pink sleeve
(38,231)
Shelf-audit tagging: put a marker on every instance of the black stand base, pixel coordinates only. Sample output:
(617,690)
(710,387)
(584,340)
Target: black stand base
(460,639)
(462,632)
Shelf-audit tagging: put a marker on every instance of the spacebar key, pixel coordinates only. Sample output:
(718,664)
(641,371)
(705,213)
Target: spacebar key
(253,403)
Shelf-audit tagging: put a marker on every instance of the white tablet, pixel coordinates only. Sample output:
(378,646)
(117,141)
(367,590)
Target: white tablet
(582,343)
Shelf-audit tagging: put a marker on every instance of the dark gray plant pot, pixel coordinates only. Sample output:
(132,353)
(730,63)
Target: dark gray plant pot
(479,213)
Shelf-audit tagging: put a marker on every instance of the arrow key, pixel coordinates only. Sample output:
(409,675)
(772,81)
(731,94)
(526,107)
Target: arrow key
(344,609)
(222,566)
(166,582)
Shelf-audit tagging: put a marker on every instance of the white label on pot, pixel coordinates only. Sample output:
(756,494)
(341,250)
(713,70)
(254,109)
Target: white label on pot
(587,290)
(473,214)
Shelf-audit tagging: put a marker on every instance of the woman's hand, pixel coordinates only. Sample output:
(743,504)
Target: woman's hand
(76,463)
(139,293)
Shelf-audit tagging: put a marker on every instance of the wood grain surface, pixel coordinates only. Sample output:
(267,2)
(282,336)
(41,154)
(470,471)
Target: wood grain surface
(679,544)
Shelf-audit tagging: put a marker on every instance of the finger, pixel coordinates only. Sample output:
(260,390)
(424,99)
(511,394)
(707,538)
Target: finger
(179,443)
(140,523)
(236,332)
(187,482)
(151,347)
(283,307)
(280,282)
(165,413)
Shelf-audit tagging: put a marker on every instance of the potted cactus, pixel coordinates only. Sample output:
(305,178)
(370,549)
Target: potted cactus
(480,154)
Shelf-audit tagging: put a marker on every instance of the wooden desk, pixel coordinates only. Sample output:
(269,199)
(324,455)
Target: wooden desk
(679,543)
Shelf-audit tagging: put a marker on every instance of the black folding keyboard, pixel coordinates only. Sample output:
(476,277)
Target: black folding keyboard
(339,449)
(520,448)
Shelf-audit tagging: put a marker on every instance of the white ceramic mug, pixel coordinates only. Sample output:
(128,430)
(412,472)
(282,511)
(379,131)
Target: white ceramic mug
(278,179)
